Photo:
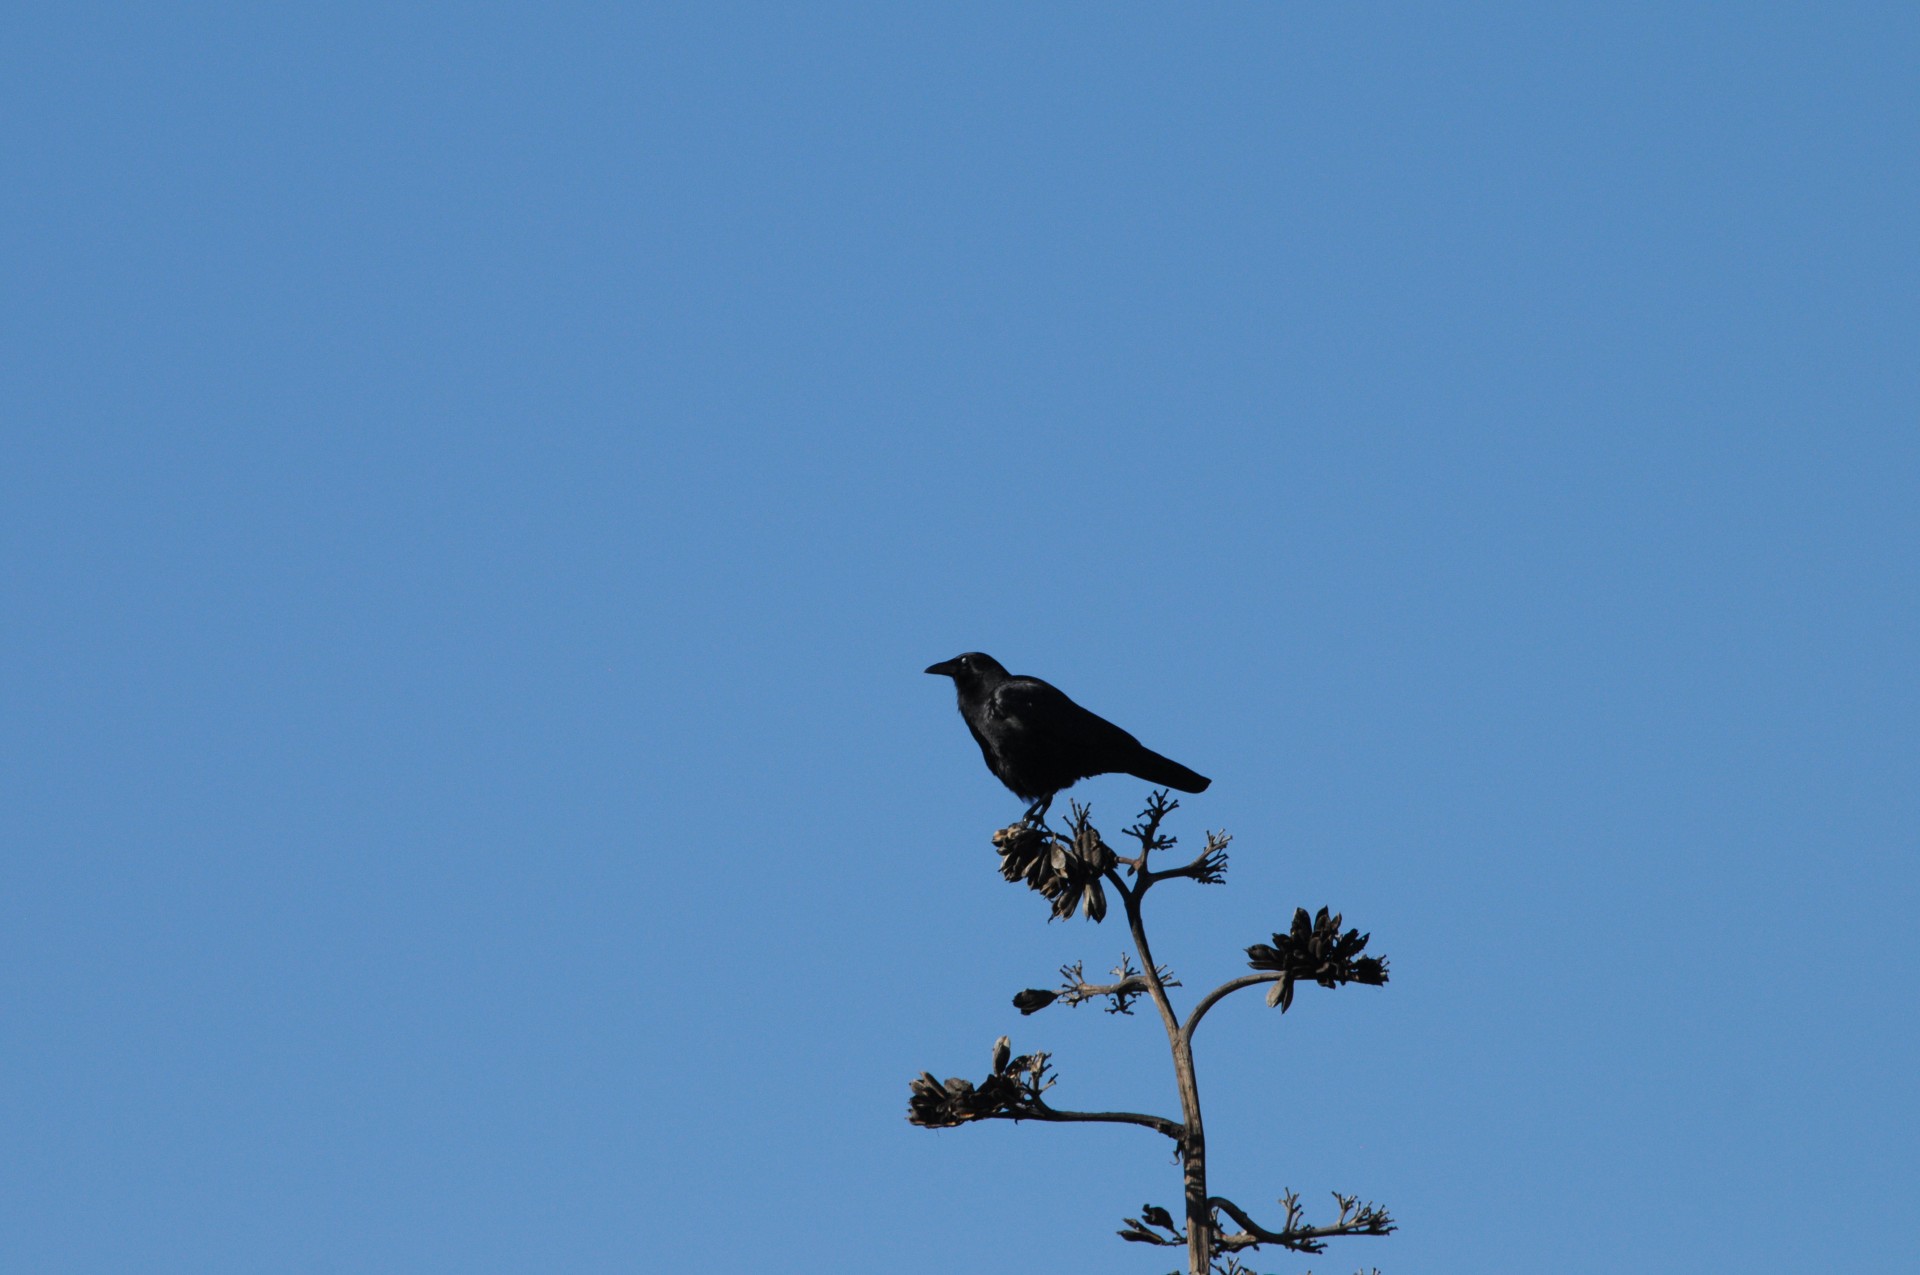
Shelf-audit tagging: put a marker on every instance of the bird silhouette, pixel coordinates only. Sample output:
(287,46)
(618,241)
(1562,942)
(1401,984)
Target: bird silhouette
(1037,741)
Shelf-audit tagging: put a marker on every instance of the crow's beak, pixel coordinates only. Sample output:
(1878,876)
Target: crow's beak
(944,668)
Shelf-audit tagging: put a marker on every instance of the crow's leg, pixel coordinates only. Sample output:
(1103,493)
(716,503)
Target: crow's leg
(1037,812)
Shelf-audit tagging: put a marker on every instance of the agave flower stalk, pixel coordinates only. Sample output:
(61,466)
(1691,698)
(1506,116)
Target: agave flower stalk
(1074,870)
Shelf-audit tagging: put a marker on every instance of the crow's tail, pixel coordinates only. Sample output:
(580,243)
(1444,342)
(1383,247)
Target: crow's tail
(1164,772)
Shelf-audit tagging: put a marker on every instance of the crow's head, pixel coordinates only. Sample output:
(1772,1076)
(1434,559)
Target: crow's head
(970,670)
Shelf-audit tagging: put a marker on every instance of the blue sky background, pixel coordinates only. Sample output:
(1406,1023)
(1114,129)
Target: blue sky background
(482,482)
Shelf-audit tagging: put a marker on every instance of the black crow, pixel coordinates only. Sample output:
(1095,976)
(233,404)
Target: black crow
(1037,741)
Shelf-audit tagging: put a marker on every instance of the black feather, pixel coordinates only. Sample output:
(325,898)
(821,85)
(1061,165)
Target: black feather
(1036,741)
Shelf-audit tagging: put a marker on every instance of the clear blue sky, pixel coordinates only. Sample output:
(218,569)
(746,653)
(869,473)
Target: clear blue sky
(481,484)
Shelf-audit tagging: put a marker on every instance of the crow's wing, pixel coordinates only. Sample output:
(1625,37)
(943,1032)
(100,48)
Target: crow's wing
(1048,723)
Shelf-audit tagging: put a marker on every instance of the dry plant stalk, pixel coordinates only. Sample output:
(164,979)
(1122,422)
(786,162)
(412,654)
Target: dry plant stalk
(1073,870)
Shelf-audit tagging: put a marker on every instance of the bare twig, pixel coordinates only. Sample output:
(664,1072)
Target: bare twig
(1208,868)
(1075,990)
(1147,833)
(1356,1218)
